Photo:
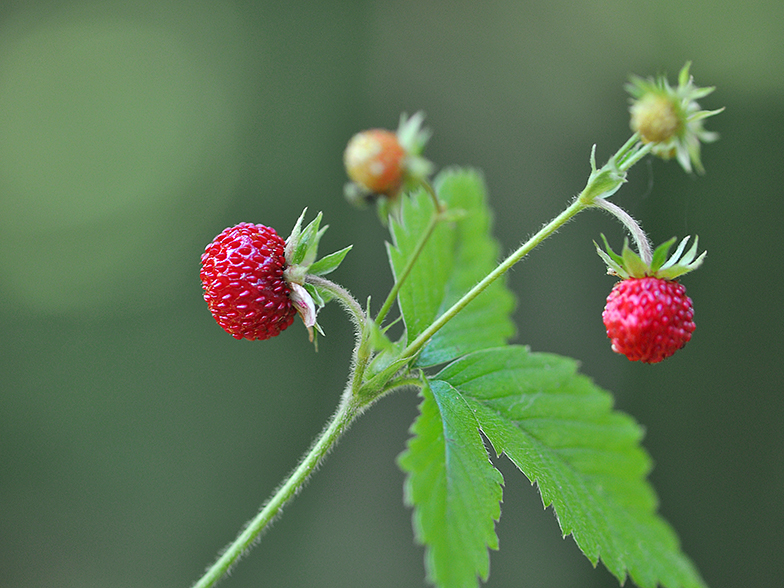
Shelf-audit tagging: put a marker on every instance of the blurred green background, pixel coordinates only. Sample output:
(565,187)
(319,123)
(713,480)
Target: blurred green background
(136,437)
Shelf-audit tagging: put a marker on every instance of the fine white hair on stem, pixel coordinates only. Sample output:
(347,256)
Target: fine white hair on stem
(639,236)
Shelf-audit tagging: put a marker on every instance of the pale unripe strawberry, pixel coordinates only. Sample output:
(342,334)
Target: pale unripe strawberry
(383,164)
(375,160)
(670,119)
(657,118)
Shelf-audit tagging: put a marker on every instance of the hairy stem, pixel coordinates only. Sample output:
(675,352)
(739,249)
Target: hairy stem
(640,238)
(343,296)
(340,421)
(417,344)
(362,352)
(351,405)
(347,411)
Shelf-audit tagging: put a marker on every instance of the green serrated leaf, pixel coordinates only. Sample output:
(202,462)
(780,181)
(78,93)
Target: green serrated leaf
(329,263)
(455,490)
(561,431)
(459,254)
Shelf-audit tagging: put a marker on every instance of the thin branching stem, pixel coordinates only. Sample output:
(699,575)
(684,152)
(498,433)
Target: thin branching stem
(417,344)
(353,308)
(639,236)
(436,217)
(352,404)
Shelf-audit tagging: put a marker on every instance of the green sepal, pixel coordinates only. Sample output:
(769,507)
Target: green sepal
(683,75)
(293,239)
(305,251)
(302,244)
(613,261)
(320,296)
(630,265)
(660,255)
(300,253)
(302,250)
(677,266)
(329,263)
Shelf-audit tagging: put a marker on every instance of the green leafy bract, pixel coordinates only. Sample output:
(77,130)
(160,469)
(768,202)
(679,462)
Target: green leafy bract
(458,255)
(561,431)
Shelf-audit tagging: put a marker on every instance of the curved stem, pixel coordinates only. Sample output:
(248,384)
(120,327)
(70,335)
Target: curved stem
(429,189)
(343,296)
(423,239)
(350,405)
(640,238)
(361,354)
(345,415)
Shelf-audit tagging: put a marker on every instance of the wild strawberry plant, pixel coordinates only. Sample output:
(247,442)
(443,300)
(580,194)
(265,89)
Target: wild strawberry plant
(554,424)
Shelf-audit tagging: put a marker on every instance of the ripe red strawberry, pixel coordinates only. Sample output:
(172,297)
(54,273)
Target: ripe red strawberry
(244,286)
(648,319)
(648,316)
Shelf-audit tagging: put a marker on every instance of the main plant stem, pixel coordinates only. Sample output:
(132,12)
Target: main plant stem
(340,421)
(349,409)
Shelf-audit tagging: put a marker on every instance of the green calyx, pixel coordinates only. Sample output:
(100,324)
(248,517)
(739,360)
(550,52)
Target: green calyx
(301,254)
(302,250)
(629,264)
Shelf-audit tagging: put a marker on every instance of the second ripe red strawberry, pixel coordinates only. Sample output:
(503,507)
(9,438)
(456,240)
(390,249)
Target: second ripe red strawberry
(648,319)
(648,316)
